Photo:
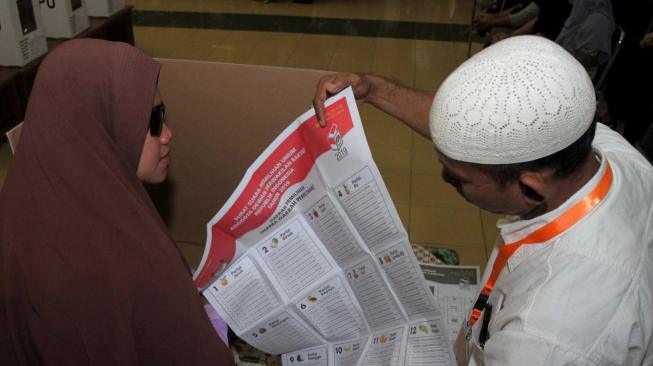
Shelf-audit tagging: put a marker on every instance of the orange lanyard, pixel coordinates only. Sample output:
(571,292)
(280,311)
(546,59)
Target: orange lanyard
(541,235)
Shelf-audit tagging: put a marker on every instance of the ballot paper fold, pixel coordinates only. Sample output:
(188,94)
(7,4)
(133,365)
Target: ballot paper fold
(322,271)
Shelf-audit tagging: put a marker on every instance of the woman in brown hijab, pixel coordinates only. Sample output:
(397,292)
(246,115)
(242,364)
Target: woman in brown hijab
(89,274)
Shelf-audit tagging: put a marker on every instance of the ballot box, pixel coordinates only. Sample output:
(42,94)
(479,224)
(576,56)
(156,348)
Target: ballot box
(64,18)
(22,38)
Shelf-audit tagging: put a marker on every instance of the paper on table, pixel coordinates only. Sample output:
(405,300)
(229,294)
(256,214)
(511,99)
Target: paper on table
(455,289)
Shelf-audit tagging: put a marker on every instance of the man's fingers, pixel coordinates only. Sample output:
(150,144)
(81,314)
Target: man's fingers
(647,40)
(328,85)
(318,101)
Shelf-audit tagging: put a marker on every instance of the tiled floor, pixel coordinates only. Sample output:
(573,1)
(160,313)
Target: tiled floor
(431,211)
(441,11)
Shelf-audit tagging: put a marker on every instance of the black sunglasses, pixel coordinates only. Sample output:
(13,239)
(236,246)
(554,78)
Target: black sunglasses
(156,119)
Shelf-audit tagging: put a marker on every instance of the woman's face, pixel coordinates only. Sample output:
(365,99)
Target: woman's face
(154,161)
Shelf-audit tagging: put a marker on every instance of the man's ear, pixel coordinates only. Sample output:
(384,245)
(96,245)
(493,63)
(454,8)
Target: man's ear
(532,186)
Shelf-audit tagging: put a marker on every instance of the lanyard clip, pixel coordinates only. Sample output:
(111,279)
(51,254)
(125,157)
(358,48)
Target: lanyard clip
(468,331)
(479,306)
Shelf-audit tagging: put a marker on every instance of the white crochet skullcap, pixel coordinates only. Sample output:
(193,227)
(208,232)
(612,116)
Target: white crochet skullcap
(519,100)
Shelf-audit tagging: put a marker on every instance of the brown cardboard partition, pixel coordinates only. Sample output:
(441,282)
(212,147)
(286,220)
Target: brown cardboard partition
(222,117)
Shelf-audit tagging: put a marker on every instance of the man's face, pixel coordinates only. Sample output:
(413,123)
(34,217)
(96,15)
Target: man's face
(478,188)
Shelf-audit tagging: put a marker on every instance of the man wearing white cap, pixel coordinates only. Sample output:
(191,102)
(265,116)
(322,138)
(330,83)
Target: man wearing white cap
(570,281)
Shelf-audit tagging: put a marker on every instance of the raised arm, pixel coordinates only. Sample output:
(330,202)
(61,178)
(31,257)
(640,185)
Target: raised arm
(408,105)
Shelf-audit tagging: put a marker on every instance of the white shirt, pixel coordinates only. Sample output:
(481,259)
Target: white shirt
(586,296)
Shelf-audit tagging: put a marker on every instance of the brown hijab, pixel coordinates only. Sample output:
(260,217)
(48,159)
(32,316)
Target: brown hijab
(89,274)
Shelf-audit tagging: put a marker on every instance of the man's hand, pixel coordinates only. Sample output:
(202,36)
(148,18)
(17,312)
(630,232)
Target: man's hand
(408,105)
(647,41)
(497,37)
(331,84)
(484,22)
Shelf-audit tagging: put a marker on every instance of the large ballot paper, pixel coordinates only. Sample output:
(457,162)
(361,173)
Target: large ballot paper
(322,272)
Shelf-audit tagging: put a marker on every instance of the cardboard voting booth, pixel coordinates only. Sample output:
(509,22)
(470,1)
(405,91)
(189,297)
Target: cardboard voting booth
(64,18)
(222,117)
(104,8)
(22,38)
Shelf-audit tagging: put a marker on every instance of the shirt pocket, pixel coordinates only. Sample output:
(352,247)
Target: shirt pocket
(476,357)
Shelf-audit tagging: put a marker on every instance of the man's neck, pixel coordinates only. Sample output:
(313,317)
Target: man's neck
(561,189)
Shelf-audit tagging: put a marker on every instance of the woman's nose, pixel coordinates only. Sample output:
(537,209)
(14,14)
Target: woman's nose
(166,134)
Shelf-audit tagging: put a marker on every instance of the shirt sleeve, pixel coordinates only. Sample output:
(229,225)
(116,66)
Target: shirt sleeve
(523,16)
